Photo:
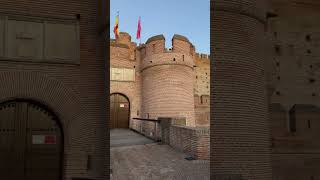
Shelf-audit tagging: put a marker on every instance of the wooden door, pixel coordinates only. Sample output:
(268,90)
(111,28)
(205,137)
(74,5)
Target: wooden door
(11,146)
(120,111)
(31,143)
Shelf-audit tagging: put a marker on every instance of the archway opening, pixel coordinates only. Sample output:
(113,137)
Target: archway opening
(119,111)
(31,145)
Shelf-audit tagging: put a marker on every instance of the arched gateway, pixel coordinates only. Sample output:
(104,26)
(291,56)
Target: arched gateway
(31,142)
(119,111)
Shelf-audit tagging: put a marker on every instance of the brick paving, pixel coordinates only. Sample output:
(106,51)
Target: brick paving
(152,161)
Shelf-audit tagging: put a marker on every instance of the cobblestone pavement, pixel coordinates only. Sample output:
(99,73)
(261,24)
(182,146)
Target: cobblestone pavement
(154,162)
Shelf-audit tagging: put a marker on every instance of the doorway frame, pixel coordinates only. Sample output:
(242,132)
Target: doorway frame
(129,106)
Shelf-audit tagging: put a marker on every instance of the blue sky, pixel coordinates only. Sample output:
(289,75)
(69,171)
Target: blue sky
(190,18)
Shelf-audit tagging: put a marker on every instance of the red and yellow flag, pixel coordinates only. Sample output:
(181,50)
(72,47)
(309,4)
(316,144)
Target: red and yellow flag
(116,27)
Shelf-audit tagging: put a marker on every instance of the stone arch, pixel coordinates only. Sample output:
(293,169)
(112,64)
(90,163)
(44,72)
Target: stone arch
(123,94)
(133,96)
(63,101)
(132,102)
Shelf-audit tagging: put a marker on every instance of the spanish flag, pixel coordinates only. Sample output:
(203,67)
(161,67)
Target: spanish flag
(116,27)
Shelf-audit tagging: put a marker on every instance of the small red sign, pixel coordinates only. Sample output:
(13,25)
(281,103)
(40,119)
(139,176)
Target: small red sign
(50,139)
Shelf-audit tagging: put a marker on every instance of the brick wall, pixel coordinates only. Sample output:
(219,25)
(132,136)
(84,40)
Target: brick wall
(193,141)
(149,129)
(167,85)
(293,62)
(202,90)
(202,75)
(181,44)
(295,151)
(151,55)
(120,58)
(294,53)
(240,136)
(72,91)
(155,46)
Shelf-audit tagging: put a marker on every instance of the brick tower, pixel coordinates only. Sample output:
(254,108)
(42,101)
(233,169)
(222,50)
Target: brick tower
(167,79)
(241,140)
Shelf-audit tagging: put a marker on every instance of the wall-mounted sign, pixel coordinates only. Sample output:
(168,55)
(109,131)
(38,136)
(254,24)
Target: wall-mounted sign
(50,139)
(122,74)
(37,139)
(44,139)
(39,39)
(124,105)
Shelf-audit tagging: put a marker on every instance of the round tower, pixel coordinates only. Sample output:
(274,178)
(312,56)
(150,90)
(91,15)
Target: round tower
(241,133)
(167,81)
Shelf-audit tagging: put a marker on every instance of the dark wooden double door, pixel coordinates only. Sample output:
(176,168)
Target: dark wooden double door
(119,111)
(30,143)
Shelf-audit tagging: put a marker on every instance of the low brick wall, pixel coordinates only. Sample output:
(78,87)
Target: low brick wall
(149,129)
(194,141)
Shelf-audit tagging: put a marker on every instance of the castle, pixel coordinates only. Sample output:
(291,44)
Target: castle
(161,82)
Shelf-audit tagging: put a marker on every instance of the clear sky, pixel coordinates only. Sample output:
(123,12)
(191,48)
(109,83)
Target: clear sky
(190,18)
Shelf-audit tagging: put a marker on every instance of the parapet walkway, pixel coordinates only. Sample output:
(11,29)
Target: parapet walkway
(135,157)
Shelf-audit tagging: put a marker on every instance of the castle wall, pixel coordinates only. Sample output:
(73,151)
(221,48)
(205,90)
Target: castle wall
(293,77)
(154,54)
(181,44)
(123,55)
(295,154)
(155,45)
(71,85)
(294,68)
(239,126)
(202,89)
(202,75)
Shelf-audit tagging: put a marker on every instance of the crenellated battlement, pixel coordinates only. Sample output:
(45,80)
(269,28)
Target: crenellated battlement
(182,50)
(155,45)
(202,56)
(123,47)
(180,44)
